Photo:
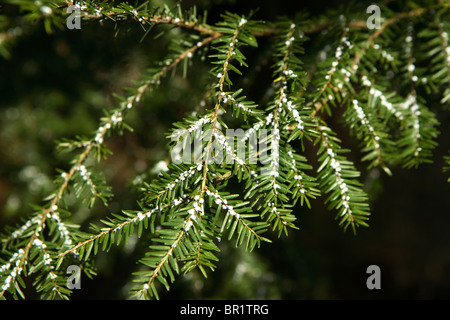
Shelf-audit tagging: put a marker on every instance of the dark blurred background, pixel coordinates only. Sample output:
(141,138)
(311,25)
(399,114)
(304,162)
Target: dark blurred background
(55,86)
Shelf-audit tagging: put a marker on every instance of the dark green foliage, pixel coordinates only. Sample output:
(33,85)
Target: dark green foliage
(187,205)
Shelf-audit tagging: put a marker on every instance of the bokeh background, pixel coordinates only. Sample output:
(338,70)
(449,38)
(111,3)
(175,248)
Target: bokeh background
(55,86)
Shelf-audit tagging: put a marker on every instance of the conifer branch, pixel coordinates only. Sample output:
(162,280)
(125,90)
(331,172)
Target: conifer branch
(337,178)
(191,201)
(90,146)
(386,24)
